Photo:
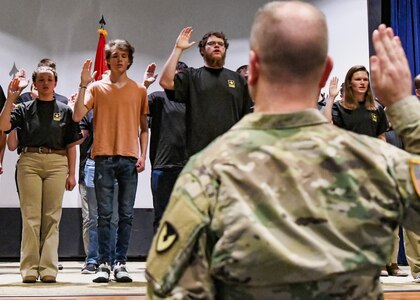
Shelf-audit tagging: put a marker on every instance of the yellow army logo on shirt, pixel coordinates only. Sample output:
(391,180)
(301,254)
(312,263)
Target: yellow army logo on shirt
(57,116)
(231,83)
(166,238)
(415,174)
(374,117)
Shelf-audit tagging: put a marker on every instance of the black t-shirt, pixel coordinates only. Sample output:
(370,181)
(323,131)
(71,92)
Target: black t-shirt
(26,97)
(86,147)
(360,120)
(215,100)
(167,132)
(45,123)
(2,99)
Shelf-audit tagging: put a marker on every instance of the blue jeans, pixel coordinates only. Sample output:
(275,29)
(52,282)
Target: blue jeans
(92,253)
(107,170)
(162,182)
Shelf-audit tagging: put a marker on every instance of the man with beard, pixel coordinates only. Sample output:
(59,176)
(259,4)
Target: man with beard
(215,97)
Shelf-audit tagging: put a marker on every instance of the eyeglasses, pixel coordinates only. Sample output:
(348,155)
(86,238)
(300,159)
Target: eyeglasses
(213,43)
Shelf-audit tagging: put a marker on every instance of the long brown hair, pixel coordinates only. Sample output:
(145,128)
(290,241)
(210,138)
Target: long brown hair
(350,101)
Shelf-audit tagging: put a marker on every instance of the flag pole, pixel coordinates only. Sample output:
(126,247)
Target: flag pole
(100,61)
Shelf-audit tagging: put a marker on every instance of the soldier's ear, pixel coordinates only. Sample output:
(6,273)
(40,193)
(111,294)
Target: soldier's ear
(253,68)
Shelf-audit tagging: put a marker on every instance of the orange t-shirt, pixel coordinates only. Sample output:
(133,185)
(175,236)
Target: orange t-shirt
(116,121)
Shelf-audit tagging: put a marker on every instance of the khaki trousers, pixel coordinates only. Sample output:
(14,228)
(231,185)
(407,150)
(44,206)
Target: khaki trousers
(412,251)
(41,180)
(395,247)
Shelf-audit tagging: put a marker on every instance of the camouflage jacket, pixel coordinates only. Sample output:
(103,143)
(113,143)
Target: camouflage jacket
(288,206)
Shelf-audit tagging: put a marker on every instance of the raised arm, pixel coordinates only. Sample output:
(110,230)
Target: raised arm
(13,92)
(182,43)
(391,81)
(149,76)
(332,94)
(86,77)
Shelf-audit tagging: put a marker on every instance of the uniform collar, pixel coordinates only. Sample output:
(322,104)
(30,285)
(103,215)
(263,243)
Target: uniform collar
(259,120)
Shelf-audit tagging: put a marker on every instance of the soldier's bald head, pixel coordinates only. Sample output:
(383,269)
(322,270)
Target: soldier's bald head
(290,39)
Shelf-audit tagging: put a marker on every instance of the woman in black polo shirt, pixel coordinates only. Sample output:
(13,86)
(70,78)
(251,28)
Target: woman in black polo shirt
(46,167)
(358,111)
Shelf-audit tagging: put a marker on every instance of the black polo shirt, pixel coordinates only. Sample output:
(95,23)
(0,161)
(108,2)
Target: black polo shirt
(215,100)
(86,147)
(360,120)
(45,123)
(167,132)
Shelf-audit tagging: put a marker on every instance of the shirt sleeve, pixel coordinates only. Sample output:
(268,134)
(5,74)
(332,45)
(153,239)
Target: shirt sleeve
(73,132)
(144,101)
(181,86)
(405,119)
(17,116)
(336,115)
(177,264)
(405,169)
(383,121)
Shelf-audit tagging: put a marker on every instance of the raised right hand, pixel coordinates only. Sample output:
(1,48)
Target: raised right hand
(86,75)
(183,40)
(390,73)
(333,88)
(14,89)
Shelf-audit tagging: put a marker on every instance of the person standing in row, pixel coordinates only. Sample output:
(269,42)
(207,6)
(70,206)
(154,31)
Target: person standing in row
(120,127)
(46,167)
(359,111)
(88,187)
(168,152)
(215,97)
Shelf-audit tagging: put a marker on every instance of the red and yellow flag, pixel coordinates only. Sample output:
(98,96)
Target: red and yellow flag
(100,61)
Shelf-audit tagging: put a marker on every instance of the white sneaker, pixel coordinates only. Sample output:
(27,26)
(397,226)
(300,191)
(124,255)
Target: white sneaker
(417,279)
(121,273)
(102,275)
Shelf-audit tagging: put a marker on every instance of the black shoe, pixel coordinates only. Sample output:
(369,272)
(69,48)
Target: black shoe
(121,273)
(102,275)
(89,268)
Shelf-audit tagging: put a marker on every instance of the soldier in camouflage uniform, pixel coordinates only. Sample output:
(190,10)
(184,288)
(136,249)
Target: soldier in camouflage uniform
(286,205)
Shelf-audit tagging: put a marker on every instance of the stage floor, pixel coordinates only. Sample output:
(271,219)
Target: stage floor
(71,284)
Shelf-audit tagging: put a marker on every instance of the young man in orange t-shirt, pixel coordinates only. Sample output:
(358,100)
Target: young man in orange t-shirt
(120,113)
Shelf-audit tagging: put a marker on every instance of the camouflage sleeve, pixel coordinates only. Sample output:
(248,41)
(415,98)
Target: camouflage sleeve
(177,264)
(405,119)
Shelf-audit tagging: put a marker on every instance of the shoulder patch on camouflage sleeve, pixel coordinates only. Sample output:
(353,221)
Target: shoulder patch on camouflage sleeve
(166,238)
(415,174)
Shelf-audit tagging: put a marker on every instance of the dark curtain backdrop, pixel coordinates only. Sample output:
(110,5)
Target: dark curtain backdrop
(405,20)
